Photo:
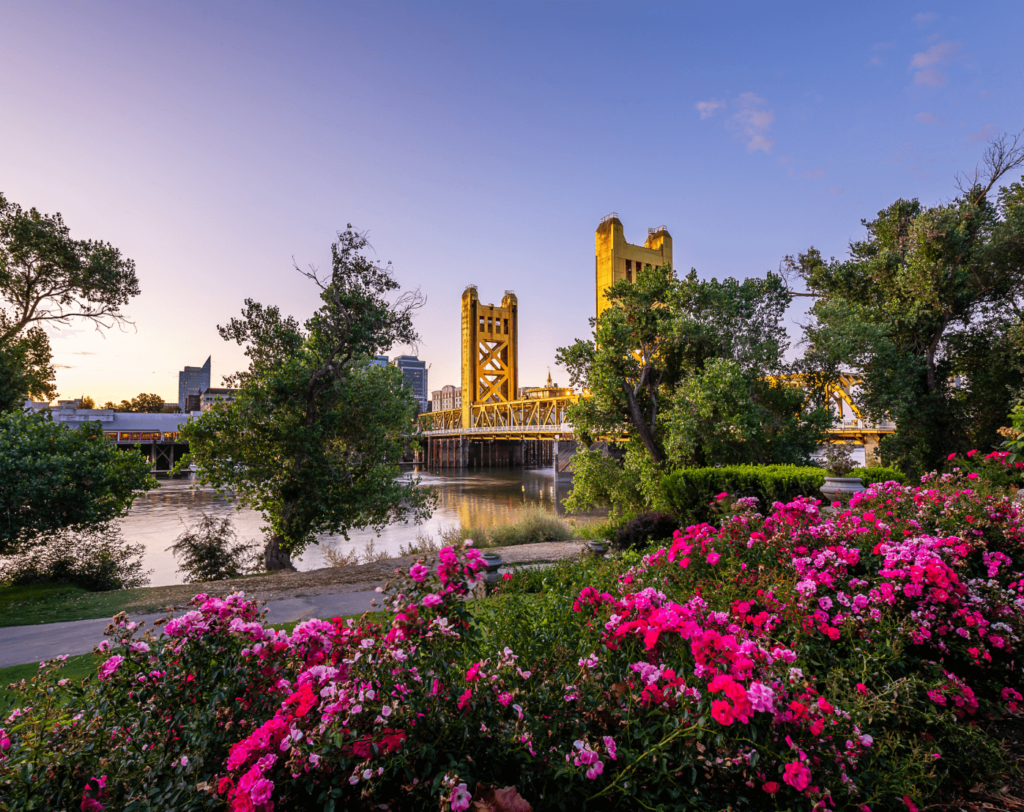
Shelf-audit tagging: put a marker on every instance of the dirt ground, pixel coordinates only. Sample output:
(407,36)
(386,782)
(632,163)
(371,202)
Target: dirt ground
(330,580)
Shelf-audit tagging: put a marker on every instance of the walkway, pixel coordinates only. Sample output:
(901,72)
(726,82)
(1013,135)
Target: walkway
(27,644)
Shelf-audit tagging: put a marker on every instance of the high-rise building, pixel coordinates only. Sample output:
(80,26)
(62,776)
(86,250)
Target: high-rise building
(617,259)
(415,372)
(379,361)
(193,381)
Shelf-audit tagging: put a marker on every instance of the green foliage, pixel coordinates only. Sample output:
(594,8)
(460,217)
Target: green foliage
(600,480)
(721,414)
(640,531)
(46,277)
(877,473)
(143,404)
(688,370)
(928,307)
(209,550)
(690,494)
(94,558)
(1013,435)
(55,477)
(315,434)
(26,371)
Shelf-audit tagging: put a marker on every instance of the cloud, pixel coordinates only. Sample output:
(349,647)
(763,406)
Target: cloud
(83,352)
(927,118)
(986,133)
(987,94)
(925,63)
(875,61)
(835,191)
(924,17)
(754,119)
(709,108)
(814,173)
(62,366)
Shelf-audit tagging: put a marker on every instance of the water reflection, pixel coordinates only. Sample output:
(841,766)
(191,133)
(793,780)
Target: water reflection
(478,499)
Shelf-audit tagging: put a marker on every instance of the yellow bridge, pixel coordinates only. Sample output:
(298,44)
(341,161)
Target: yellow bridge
(499,424)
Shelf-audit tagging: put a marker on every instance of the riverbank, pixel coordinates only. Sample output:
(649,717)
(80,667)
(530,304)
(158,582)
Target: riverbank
(49,603)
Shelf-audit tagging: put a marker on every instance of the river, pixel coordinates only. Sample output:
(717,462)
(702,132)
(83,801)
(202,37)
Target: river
(477,499)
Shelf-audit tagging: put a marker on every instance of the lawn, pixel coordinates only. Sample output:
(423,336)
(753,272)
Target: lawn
(52,603)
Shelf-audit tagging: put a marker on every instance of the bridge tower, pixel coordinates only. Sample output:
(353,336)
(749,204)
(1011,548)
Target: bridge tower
(490,351)
(617,259)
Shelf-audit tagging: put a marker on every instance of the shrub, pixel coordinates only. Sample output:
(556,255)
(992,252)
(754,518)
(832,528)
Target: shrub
(877,474)
(209,551)
(998,468)
(838,458)
(690,494)
(642,530)
(530,525)
(97,559)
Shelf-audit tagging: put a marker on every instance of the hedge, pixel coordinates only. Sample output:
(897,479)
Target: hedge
(879,473)
(689,492)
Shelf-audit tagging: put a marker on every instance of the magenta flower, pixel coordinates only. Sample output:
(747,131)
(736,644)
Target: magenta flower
(762,698)
(713,558)
(797,775)
(109,668)
(418,572)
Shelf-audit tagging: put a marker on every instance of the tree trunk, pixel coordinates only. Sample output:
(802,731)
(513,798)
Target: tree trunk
(646,434)
(275,558)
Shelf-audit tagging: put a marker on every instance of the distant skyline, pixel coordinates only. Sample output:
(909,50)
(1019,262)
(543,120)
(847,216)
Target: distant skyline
(478,143)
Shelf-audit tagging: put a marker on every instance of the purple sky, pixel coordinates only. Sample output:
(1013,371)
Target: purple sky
(477,142)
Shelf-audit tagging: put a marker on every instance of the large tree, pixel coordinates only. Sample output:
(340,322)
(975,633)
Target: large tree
(49,278)
(315,434)
(928,308)
(26,370)
(53,477)
(688,370)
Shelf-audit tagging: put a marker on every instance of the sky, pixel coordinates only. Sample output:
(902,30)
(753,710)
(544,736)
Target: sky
(219,143)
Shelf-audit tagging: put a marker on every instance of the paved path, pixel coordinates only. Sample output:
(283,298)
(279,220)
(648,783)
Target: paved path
(28,644)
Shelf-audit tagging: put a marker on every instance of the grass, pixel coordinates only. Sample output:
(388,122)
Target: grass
(51,603)
(531,525)
(78,667)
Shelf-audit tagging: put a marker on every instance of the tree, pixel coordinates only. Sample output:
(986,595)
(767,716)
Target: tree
(144,403)
(46,277)
(928,309)
(315,433)
(26,370)
(55,478)
(87,402)
(688,370)
(148,403)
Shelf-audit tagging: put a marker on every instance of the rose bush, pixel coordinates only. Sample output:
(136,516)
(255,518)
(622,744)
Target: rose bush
(868,659)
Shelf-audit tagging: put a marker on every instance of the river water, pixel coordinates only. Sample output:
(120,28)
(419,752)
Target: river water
(479,499)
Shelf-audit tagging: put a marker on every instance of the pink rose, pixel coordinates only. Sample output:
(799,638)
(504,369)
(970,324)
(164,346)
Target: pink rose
(109,668)
(461,798)
(418,572)
(797,775)
(713,558)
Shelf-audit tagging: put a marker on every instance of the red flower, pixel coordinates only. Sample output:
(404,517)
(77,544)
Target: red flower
(772,787)
(722,711)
